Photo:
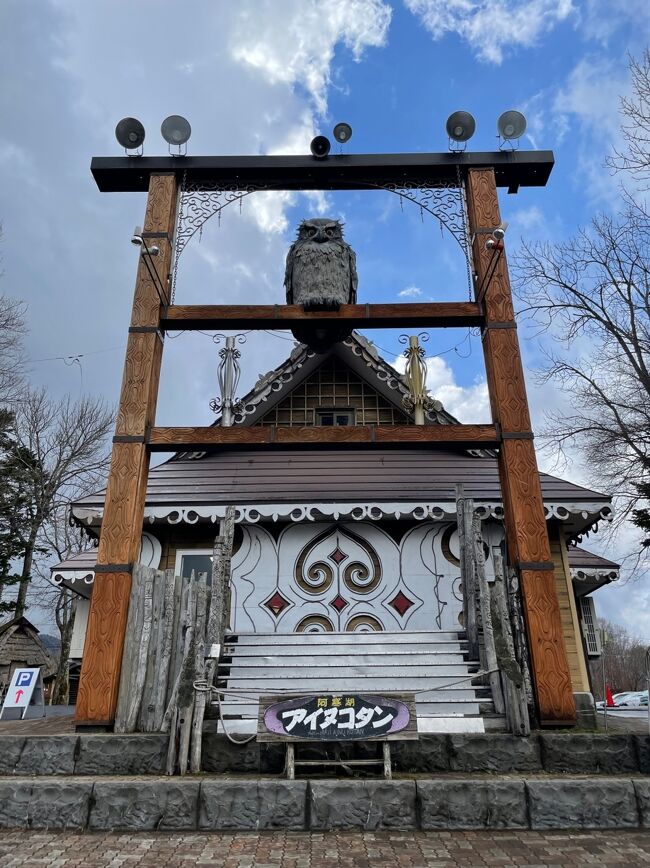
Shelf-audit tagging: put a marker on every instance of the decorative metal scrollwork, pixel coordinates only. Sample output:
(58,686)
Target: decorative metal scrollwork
(418,400)
(228,375)
(200,200)
(444,200)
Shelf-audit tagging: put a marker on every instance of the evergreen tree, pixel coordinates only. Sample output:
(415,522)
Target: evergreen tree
(14,507)
(641,517)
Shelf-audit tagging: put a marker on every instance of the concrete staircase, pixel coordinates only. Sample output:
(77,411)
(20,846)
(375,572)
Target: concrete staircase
(433,665)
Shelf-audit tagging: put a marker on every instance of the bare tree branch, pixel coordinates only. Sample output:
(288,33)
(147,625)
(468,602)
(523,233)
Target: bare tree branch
(64,451)
(635,111)
(12,356)
(589,298)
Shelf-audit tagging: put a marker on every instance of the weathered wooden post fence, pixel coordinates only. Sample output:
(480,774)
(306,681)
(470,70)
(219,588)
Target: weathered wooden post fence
(488,620)
(175,631)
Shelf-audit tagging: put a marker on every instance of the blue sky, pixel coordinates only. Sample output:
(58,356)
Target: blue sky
(264,77)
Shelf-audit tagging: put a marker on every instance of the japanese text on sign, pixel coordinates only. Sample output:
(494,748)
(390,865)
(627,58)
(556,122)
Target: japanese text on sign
(337,717)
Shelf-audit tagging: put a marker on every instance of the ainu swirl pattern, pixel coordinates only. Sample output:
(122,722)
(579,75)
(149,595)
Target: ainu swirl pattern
(359,576)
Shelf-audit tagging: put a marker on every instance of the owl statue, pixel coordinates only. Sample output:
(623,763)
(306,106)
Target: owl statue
(321,274)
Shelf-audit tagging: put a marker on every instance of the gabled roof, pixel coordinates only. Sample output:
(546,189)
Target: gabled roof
(357,352)
(301,482)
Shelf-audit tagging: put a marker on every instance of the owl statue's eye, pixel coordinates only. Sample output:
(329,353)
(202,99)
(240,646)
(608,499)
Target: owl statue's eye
(312,231)
(329,232)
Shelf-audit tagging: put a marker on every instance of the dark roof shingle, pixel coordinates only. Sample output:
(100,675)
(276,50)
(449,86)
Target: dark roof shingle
(322,475)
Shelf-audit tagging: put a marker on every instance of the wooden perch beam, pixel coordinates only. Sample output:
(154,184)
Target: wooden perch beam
(280,316)
(172,439)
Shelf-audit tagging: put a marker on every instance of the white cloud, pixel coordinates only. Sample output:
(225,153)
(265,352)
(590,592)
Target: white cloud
(410,292)
(582,113)
(592,93)
(293,43)
(526,219)
(599,19)
(491,26)
(466,403)
(587,107)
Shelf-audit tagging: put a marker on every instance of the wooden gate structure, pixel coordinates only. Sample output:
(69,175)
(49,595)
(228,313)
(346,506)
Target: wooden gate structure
(476,176)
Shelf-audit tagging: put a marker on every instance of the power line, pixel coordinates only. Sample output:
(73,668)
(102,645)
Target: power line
(72,358)
(455,349)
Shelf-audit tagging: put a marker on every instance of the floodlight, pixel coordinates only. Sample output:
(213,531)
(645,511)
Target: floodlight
(342,133)
(460,126)
(138,240)
(176,130)
(320,147)
(130,133)
(499,233)
(511,125)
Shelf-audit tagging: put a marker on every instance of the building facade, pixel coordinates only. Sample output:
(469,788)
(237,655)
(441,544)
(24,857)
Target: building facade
(346,540)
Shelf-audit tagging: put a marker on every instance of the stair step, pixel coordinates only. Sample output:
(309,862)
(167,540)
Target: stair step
(352,670)
(431,664)
(327,652)
(425,724)
(314,639)
(442,708)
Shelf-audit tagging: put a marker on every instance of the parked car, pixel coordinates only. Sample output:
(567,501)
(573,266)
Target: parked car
(634,700)
(619,699)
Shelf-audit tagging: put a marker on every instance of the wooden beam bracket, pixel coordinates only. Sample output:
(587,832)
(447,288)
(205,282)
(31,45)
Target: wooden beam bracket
(165,235)
(517,435)
(145,330)
(129,438)
(113,568)
(510,324)
(535,565)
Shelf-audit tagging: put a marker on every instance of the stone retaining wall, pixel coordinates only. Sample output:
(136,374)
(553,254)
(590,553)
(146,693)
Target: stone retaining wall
(100,754)
(189,804)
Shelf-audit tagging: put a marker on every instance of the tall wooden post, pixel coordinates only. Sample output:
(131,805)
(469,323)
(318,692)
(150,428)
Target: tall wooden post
(127,483)
(527,537)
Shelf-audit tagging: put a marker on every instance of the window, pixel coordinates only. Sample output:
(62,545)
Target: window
(197,560)
(334,416)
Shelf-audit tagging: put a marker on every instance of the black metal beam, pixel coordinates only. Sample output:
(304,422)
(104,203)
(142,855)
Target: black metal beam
(512,169)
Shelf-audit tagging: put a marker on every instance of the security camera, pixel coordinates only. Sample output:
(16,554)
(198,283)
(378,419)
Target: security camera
(494,243)
(136,238)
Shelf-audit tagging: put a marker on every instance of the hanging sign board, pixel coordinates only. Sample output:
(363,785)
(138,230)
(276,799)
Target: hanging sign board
(337,717)
(25,688)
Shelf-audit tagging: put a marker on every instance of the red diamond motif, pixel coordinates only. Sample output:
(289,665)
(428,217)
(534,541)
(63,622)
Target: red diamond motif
(338,603)
(277,604)
(337,555)
(401,603)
